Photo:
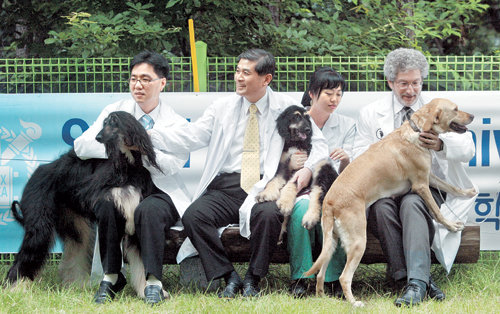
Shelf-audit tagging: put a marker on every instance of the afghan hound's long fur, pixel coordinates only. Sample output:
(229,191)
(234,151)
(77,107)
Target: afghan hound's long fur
(295,126)
(60,196)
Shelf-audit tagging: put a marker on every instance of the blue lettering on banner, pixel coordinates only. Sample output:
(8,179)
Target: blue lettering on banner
(66,130)
(485,145)
(484,208)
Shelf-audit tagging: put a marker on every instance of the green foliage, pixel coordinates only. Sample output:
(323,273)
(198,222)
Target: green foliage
(285,27)
(369,27)
(110,34)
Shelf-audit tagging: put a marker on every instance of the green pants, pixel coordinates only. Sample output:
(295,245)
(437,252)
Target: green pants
(302,242)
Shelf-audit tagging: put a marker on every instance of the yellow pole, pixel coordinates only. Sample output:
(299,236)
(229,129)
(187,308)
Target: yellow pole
(193,56)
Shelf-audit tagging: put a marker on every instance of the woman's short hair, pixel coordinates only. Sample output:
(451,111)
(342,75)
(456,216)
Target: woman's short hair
(322,78)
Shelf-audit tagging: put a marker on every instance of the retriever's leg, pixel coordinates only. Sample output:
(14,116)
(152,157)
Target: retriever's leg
(352,232)
(422,189)
(439,184)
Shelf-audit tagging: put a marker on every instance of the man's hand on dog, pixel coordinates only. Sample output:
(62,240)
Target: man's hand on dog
(302,177)
(431,140)
(297,160)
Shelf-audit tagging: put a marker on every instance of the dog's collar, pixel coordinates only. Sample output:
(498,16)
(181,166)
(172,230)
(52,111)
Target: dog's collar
(414,126)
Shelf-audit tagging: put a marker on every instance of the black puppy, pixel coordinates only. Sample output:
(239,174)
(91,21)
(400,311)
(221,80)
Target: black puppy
(295,126)
(60,196)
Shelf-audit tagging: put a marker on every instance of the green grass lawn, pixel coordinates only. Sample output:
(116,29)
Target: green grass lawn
(469,288)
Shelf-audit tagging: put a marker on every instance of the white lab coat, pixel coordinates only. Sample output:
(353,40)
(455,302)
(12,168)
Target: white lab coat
(169,181)
(339,131)
(377,120)
(216,129)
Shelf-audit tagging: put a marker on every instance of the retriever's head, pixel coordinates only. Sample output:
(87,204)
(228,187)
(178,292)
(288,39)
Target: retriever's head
(442,115)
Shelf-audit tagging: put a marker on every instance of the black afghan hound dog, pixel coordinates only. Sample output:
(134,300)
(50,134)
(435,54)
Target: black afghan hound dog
(60,196)
(295,127)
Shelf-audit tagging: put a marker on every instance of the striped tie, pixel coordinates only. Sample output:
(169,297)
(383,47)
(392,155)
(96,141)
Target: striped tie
(250,160)
(407,112)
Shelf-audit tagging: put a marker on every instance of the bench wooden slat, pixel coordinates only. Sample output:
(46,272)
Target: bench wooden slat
(238,248)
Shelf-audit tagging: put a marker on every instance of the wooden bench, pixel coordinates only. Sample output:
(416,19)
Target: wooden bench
(238,248)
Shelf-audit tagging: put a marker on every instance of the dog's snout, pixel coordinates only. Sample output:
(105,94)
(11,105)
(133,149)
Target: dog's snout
(308,130)
(99,137)
(471,117)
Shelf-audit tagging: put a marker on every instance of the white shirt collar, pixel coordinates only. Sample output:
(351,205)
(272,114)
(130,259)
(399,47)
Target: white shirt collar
(138,113)
(261,104)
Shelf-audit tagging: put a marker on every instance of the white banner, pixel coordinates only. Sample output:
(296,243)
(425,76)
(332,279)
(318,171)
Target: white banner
(37,128)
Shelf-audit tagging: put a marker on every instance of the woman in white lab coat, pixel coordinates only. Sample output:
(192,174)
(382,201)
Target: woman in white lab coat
(323,95)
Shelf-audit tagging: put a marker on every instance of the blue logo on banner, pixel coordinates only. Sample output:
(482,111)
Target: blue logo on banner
(484,206)
(485,145)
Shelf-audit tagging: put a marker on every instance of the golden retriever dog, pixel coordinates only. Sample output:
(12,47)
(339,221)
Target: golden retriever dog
(389,167)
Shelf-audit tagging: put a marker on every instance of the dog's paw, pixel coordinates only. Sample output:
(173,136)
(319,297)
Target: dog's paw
(309,220)
(358,304)
(456,226)
(285,206)
(470,192)
(268,195)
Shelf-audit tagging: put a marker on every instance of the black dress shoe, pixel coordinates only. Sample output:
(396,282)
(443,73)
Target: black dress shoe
(334,289)
(413,294)
(298,288)
(153,294)
(250,289)
(107,290)
(233,287)
(434,292)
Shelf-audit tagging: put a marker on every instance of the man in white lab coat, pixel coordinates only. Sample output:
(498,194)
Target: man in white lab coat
(221,198)
(156,213)
(403,223)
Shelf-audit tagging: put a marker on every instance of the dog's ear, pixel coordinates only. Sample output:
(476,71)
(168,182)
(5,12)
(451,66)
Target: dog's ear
(433,117)
(282,123)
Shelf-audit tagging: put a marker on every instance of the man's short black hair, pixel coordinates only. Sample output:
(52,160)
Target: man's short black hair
(265,60)
(156,60)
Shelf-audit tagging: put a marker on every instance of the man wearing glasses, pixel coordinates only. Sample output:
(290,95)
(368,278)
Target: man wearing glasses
(156,213)
(403,223)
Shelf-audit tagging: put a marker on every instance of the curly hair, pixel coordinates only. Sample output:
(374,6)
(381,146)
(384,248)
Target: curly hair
(404,59)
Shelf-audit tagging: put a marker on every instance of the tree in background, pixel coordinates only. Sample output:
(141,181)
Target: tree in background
(78,28)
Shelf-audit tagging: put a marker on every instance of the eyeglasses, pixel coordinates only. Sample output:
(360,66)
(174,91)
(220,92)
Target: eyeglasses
(144,81)
(405,85)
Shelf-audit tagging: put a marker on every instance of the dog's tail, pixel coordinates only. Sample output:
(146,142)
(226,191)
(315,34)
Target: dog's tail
(15,208)
(329,245)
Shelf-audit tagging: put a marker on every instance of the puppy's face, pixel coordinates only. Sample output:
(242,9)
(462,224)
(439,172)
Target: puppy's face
(295,124)
(441,115)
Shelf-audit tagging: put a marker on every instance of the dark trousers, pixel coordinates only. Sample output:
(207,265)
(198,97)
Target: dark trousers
(153,217)
(405,230)
(219,207)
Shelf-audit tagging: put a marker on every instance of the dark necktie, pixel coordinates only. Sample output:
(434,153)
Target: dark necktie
(407,112)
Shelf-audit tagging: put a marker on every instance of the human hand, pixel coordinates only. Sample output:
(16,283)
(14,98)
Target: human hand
(339,154)
(302,177)
(431,140)
(297,160)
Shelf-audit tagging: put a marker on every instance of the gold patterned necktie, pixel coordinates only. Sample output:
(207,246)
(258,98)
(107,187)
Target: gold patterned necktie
(250,160)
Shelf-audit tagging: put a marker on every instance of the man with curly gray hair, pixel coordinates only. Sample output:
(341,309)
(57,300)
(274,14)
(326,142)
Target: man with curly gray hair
(403,223)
